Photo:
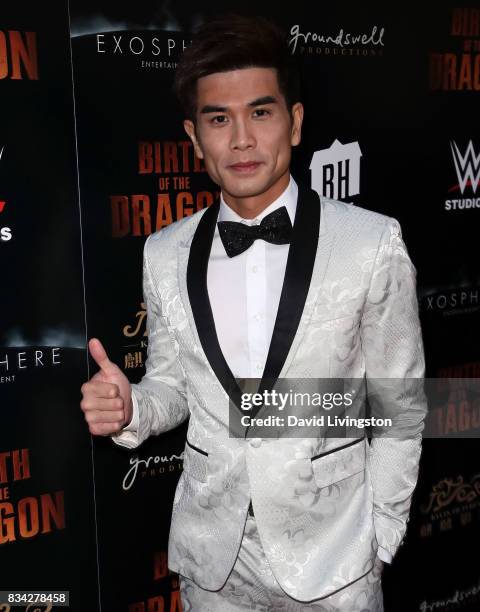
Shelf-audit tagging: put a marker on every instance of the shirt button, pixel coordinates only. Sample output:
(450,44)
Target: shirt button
(255,442)
(257,317)
(259,366)
(254,269)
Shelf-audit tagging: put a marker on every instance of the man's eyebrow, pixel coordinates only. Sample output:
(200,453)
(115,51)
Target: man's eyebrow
(209,108)
(263,100)
(213,109)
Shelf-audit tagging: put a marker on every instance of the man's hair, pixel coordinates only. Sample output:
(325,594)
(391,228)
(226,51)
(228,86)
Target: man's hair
(233,42)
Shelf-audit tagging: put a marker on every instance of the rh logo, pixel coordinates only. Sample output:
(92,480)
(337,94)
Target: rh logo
(336,170)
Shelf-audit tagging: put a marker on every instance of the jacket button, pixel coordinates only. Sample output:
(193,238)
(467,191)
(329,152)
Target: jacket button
(255,442)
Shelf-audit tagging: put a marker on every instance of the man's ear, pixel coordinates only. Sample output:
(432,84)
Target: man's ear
(189,127)
(297,119)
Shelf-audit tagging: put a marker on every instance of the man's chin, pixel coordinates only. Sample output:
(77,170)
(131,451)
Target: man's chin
(246,188)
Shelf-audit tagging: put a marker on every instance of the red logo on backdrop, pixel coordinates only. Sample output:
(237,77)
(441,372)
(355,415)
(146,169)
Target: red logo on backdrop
(458,68)
(29,516)
(5,232)
(173,167)
(18,55)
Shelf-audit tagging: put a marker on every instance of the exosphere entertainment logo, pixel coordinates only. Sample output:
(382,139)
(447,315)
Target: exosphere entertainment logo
(14,362)
(159,51)
(453,301)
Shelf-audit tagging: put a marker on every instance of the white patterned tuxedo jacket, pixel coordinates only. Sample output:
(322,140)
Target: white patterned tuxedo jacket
(323,505)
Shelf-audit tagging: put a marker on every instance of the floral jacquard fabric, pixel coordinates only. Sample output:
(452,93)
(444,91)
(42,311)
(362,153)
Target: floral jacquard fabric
(318,523)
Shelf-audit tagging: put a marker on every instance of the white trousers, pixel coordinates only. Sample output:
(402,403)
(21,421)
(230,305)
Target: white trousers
(251,585)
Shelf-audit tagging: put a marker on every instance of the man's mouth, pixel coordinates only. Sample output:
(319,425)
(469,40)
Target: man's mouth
(245,166)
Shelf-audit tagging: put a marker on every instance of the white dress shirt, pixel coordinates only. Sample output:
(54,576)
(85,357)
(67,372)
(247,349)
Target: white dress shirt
(244,293)
(243,297)
(244,290)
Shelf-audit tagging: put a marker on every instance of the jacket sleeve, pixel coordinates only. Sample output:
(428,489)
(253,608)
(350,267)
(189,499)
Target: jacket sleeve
(160,398)
(395,369)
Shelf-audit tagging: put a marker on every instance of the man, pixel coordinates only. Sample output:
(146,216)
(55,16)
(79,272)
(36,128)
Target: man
(273,282)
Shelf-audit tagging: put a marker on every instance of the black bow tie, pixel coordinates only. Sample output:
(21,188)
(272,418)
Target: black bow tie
(238,237)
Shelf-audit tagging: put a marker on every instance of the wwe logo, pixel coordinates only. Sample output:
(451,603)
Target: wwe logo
(466,166)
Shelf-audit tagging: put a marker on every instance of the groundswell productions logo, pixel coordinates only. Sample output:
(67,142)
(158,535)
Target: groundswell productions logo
(457,600)
(341,42)
(150,467)
(466,161)
(336,170)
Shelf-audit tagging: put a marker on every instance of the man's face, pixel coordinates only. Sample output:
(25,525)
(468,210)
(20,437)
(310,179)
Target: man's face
(242,117)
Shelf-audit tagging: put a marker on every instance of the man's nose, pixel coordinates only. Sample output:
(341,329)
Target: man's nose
(242,136)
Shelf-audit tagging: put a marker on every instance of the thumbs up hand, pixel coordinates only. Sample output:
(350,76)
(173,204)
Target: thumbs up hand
(107,400)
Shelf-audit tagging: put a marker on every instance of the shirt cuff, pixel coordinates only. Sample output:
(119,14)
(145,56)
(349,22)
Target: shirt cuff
(384,555)
(128,436)
(133,425)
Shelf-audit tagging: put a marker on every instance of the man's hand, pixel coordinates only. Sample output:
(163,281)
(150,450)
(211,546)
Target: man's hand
(107,400)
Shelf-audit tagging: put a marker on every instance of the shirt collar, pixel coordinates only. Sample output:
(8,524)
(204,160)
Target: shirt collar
(288,199)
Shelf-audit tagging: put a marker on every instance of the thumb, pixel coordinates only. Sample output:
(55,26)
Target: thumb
(100,356)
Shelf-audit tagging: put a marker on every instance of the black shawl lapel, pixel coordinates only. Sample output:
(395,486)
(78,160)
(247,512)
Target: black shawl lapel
(298,274)
(200,302)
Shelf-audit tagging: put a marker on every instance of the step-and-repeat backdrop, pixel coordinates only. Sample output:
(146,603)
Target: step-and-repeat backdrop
(47,492)
(93,159)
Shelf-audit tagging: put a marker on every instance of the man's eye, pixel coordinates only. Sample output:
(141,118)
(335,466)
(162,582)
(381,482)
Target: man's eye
(263,112)
(214,119)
